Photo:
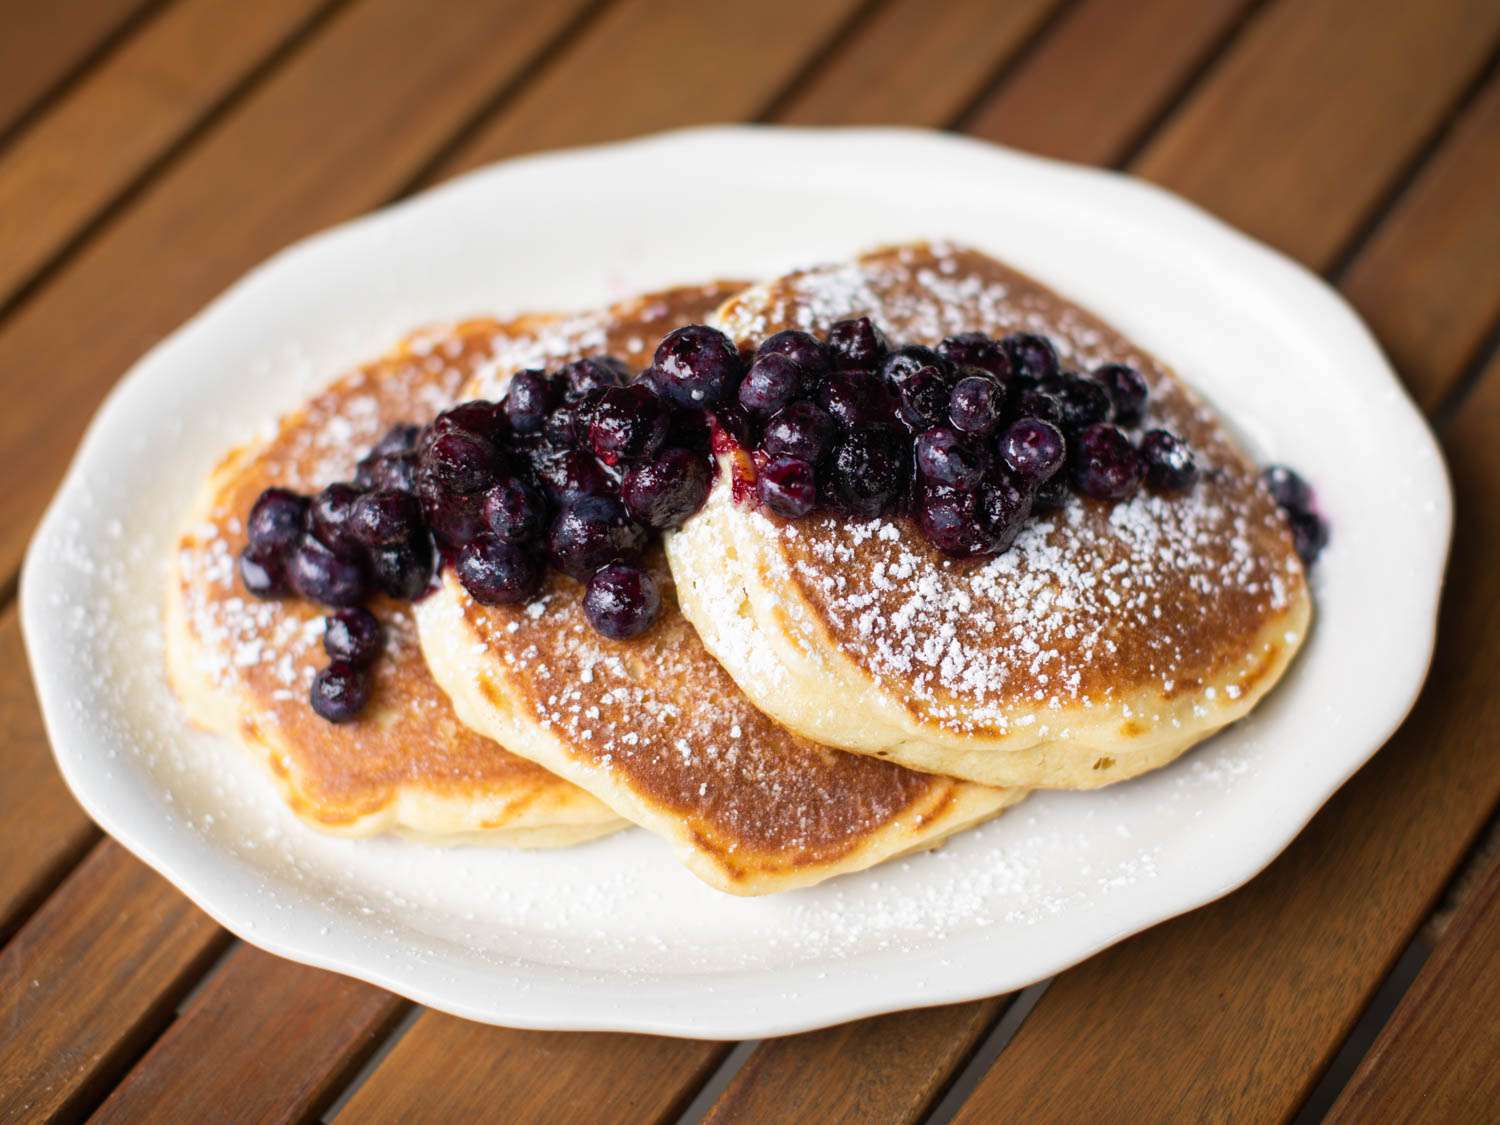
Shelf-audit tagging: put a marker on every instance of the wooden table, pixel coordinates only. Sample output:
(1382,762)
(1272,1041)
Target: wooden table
(152,150)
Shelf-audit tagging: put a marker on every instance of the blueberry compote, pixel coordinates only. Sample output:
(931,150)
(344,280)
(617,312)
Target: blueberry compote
(580,469)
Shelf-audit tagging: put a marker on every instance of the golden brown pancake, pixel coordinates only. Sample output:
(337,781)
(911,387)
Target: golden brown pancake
(1105,642)
(243,667)
(653,726)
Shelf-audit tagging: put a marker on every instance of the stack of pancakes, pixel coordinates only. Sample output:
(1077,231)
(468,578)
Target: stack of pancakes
(817,696)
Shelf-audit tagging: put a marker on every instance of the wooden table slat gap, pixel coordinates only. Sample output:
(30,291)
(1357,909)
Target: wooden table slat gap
(57,88)
(370,1064)
(837,40)
(131,188)
(1468,380)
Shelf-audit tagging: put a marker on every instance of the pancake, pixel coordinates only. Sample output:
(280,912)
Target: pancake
(653,726)
(1104,643)
(242,667)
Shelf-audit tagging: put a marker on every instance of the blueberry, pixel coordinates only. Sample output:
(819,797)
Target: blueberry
(1004,506)
(772,382)
(277,520)
(848,397)
(320,575)
(496,573)
(911,360)
(1032,357)
(461,462)
(383,519)
(1127,390)
(696,366)
(736,421)
(514,511)
(527,400)
(1287,487)
(1083,402)
(1051,494)
(477,418)
(664,492)
(1169,462)
(802,430)
(621,601)
(1104,463)
(1039,404)
(924,400)
(388,471)
(329,517)
(400,438)
(591,531)
(949,519)
(405,570)
(788,487)
(946,457)
(975,349)
(454,518)
(868,470)
(801,348)
(262,572)
(341,691)
(582,377)
(353,635)
(977,404)
(1309,533)
(1033,449)
(856,343)
(569,473)
(627,424)
(564,428)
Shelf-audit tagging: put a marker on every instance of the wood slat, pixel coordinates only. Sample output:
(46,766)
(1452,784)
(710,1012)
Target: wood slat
(1443,237)
(441,1070)
(1438,1059)
(890,1069)
(915,63)
(349,120)
(1310,118)
(1085,93)
(46,42)
(124,115)
(274,1040)
(43,832)
(82,989)
(646,65)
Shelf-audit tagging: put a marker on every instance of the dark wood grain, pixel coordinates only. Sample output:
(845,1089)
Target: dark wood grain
(46,42)
(646,65)
(43,832)
(344,125)
(890,1069)
(123,116)
(1438,1059)
(90,979)
(915,63)
(1085,94)
(272,1040)
(446,1069)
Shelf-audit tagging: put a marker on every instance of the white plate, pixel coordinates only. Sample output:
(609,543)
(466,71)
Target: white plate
(614,935)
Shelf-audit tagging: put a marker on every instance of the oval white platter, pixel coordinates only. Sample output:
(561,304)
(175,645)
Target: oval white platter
(614,935)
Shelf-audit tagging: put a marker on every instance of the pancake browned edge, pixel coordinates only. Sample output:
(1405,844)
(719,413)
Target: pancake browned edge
(242,667)
(1104,643)
(653,726)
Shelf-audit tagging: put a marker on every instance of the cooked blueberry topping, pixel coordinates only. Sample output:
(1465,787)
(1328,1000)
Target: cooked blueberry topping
(320,575)
(945,456)
(1127,390)
(1082,402)
(1051,494)
(1287,488)
(857,343)
(1105,464)
(341,691)
(479,419)
(569,473)
(697,366)
(583,377)
(975,349)
(949,519)
(977,403)
(496,573)
(1170,466)
(1037,403)
(454,518)
(353,635)
(591,531)
(261,570)
(801,348)
(664,492)
(1295,498)
(867,470)
(386,518)
(1309,533)
(848,397)
(461,462)
(1033,449)
(787,486)
(924,400)
(1004,505)
(515,511)
(772,382)
(529,398)
(911,360)
(627,424)
(401,438)
(329,517)
(405,570)
(392,470)
(802,430)
(277,520)
(621,601)
(1032,357)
